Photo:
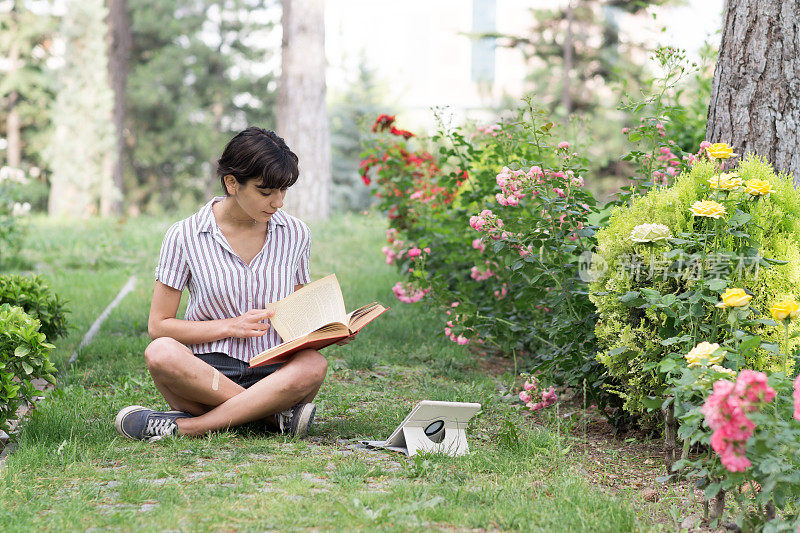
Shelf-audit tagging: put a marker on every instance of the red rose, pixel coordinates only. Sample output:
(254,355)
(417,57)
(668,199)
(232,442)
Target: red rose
(401,133)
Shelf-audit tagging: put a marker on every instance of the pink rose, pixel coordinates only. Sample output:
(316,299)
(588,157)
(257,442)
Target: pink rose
(796,396)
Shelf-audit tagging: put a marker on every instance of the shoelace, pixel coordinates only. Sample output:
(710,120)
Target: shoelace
(285,420)
(158,428)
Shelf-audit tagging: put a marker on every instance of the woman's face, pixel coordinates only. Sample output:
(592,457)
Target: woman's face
(257,203)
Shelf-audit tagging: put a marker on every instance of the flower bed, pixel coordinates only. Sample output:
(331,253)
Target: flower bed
(666,307)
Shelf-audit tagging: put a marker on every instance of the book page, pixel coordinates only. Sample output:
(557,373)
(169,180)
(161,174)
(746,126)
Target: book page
(315,305)
(358,321)
(354,315)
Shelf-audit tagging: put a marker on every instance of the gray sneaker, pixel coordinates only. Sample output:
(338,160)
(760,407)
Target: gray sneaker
(297,420)
(137,422)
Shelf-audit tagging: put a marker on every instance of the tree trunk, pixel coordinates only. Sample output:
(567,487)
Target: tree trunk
(670,440)
(119,49)
(718,505)
(13,123)
(83,133)
(217,109)
(13,126)
(566,97)
(301,114)
(755,96)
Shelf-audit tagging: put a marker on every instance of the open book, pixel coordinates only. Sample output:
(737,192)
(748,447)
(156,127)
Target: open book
(314,317)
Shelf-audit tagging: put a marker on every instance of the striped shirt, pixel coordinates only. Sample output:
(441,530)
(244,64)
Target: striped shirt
(221,285)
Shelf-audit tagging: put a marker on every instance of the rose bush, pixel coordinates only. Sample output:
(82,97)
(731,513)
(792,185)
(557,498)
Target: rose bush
(655,302)
(501,220)
(746,427)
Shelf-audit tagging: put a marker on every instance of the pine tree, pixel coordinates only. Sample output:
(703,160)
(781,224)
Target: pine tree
(576,52)
(83,141)
(26,88)
(119,49)
(197,78)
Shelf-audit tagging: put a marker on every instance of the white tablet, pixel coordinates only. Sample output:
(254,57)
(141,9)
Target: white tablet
(432,426)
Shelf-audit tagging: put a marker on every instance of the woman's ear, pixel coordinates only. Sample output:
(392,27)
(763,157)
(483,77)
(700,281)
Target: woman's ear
(231,185)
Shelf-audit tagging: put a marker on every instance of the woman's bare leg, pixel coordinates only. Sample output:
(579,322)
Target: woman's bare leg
(295,382)
(186,381)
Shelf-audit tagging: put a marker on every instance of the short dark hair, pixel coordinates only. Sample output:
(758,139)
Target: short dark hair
(258,154)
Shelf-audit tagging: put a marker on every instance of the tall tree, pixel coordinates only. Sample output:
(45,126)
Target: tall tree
(302,115)
(755,96)
(83,142)
(119,49)
(25,88)
(200,72)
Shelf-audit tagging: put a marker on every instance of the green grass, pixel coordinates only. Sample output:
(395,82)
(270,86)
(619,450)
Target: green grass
(72,472)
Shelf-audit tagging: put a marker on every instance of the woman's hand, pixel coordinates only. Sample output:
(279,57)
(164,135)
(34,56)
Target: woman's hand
(250,324)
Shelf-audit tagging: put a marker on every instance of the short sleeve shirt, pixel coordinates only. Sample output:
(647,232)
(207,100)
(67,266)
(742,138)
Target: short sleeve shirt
(195,254)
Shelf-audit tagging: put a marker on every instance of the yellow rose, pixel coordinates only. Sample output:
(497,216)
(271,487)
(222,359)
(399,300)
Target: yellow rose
(734,298)
(720,151)
(703,354)
(756,187)
(727,181)
(784,309)
(707,208)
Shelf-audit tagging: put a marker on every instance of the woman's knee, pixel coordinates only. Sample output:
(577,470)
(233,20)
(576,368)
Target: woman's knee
(162,354)
(308,374)
(317,368)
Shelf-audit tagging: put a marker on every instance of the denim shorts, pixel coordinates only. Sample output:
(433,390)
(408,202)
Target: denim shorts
(236,370)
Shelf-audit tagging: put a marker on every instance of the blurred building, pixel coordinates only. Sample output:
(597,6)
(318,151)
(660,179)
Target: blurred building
(423,52)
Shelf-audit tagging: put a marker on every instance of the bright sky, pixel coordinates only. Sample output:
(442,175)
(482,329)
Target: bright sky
(690,26)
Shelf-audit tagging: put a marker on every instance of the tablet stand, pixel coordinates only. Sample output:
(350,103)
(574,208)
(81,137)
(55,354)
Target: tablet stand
(432,427)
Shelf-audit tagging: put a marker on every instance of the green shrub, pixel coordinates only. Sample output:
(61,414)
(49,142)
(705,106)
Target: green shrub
(635,337)
(24,356)
(34,296)
(11,230)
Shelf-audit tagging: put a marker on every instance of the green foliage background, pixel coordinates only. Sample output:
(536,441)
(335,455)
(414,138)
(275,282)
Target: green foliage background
(198,76)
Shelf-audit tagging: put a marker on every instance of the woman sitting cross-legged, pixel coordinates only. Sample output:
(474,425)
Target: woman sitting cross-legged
(237,255)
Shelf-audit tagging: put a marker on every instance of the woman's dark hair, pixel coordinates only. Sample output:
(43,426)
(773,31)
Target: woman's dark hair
(258,154)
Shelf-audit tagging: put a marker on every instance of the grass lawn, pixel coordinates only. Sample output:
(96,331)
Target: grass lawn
(72,472)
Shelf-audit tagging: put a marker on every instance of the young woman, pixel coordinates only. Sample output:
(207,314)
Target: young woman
(238,254)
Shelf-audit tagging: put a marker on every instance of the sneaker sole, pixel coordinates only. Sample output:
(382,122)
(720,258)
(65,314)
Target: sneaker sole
(121,415)
(305,420)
